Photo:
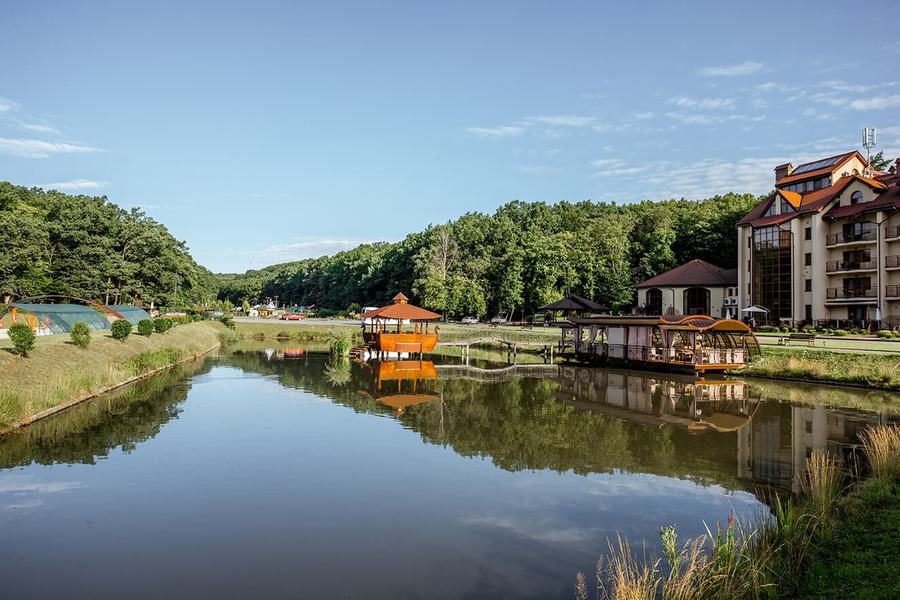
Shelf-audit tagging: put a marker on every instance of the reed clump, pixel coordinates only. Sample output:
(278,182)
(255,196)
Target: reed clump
(340,342)
(764,561)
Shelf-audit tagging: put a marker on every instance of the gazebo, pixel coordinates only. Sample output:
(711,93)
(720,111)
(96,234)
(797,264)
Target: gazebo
(571,303)
(383,328)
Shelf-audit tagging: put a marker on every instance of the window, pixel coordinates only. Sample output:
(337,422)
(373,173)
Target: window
(807,259)
(771,277)
(654,301)
(808,283)
(856,197)
(771,210)
(808,314)
(786,207)
(807,233)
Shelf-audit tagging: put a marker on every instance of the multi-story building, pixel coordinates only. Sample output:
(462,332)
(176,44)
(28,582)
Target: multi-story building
(825,245)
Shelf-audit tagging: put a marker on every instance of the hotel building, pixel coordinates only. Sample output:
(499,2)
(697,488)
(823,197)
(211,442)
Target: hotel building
(824,247)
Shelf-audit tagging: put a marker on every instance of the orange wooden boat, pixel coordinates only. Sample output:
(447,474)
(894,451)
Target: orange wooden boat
(400,327)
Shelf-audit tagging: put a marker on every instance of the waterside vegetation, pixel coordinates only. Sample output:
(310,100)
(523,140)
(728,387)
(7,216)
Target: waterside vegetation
(56,373)
(878,371)
(786,555)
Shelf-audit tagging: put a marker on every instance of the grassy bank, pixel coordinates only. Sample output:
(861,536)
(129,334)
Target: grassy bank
(316,332)
(870,370)
(56,372)
(834,541)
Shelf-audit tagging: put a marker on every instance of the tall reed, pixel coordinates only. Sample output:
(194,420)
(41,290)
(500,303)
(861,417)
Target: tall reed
(822,483)
(881,445)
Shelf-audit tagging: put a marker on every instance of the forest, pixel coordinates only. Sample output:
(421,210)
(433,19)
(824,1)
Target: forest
(87,247)
(509,263)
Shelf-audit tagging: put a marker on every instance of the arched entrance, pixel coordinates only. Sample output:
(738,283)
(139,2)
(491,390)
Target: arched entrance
(654,301)
(696,301)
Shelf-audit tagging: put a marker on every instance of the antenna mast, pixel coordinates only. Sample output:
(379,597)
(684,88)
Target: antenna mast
(868,141)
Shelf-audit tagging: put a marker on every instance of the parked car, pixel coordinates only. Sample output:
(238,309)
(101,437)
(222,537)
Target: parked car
(293,317)
(470,321)
(498,320)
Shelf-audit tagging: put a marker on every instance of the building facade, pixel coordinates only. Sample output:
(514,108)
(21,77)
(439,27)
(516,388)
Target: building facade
(694,288)
(824,247)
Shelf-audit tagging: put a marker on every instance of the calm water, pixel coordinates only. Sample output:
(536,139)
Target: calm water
(275,474)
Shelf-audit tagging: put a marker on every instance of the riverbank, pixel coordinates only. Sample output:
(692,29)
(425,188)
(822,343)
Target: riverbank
(876,371)
(57,374)
(832,541)
(450,332)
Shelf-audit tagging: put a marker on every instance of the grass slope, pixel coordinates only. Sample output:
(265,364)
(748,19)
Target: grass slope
(860,558)
(872,370)
(56,372)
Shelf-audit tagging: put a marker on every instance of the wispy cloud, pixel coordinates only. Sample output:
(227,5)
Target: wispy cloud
(745,68)
(308,249)
(504,131)
(565,120)
(75,185)
(643,116)
(876,102)
(702,103)
(37,127)
(41,148)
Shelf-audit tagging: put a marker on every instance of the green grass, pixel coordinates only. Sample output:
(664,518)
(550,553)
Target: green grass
(870,370)
(859,557)
(56,372)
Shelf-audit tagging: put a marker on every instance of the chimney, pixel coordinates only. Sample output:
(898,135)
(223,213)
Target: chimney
(897,166)
(782,171)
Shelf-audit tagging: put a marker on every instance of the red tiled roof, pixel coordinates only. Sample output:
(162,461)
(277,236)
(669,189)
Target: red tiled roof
(810,202)
(888,199)
(696,272)
(823,171)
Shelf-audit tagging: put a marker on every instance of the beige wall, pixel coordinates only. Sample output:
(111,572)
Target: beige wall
(717,297)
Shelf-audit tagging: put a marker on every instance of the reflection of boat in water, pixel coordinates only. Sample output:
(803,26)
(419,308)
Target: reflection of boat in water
(678,400)
(290,353)
(400,384)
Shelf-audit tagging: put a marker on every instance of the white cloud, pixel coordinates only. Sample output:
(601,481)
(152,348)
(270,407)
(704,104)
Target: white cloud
(702,103)
(75,185)
(876,103)
(504,131)
(39,148)
(696,119)
(7,105)
(643,116)
(565,120)
(745,68)
(308,249)
(39,128)
(774,86)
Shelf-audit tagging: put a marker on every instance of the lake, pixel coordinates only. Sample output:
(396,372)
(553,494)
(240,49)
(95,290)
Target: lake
(270,472)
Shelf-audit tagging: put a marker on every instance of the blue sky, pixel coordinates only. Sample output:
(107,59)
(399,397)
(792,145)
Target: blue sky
(263,132)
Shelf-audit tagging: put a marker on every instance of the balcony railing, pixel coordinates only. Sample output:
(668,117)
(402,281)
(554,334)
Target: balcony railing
(846,238)
(891,231)
(833,266)
(842,293)
(891,262)
(892,291)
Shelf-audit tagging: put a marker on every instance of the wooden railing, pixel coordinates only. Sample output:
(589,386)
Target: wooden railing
(841,293)
(685,356)
(833,266)
(846,238)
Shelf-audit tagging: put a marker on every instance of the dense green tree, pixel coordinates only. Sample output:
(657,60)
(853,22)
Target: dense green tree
(879,162)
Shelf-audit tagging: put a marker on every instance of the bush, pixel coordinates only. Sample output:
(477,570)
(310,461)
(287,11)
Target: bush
(22,338)
(767,328)
(227,321)
(81,334)
(121,329)
(163,324)
(840,332)
(145,326)
(885,333)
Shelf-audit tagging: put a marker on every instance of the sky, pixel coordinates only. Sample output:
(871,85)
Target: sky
(261,132)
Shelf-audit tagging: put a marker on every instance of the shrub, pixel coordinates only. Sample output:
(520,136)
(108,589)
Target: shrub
(841,332)
(22,338)
(340,343)
(885,333)
(767,328)
(81,334)
(145,326)
(121,329)
(162,324)
(228,321)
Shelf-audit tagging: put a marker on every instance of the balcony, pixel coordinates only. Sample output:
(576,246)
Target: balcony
(892,292)
(838,266)
(835,239)
(848,294)
(892,262)
(892,232)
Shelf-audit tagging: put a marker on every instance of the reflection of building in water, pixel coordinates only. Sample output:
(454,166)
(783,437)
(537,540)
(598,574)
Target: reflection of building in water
(697,404)
(402,383)
(774,449)
(773,438)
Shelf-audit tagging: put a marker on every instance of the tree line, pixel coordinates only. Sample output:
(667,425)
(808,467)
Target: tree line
(87,247)
(513,261)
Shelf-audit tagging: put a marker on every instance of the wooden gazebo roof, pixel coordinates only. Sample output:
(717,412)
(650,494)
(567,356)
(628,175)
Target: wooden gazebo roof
(573,303)
(401,309)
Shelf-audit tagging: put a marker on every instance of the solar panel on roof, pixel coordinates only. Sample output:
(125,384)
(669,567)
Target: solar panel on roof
(819,164)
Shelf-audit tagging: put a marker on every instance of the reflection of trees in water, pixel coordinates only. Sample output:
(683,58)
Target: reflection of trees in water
(519,424)
(122,418)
